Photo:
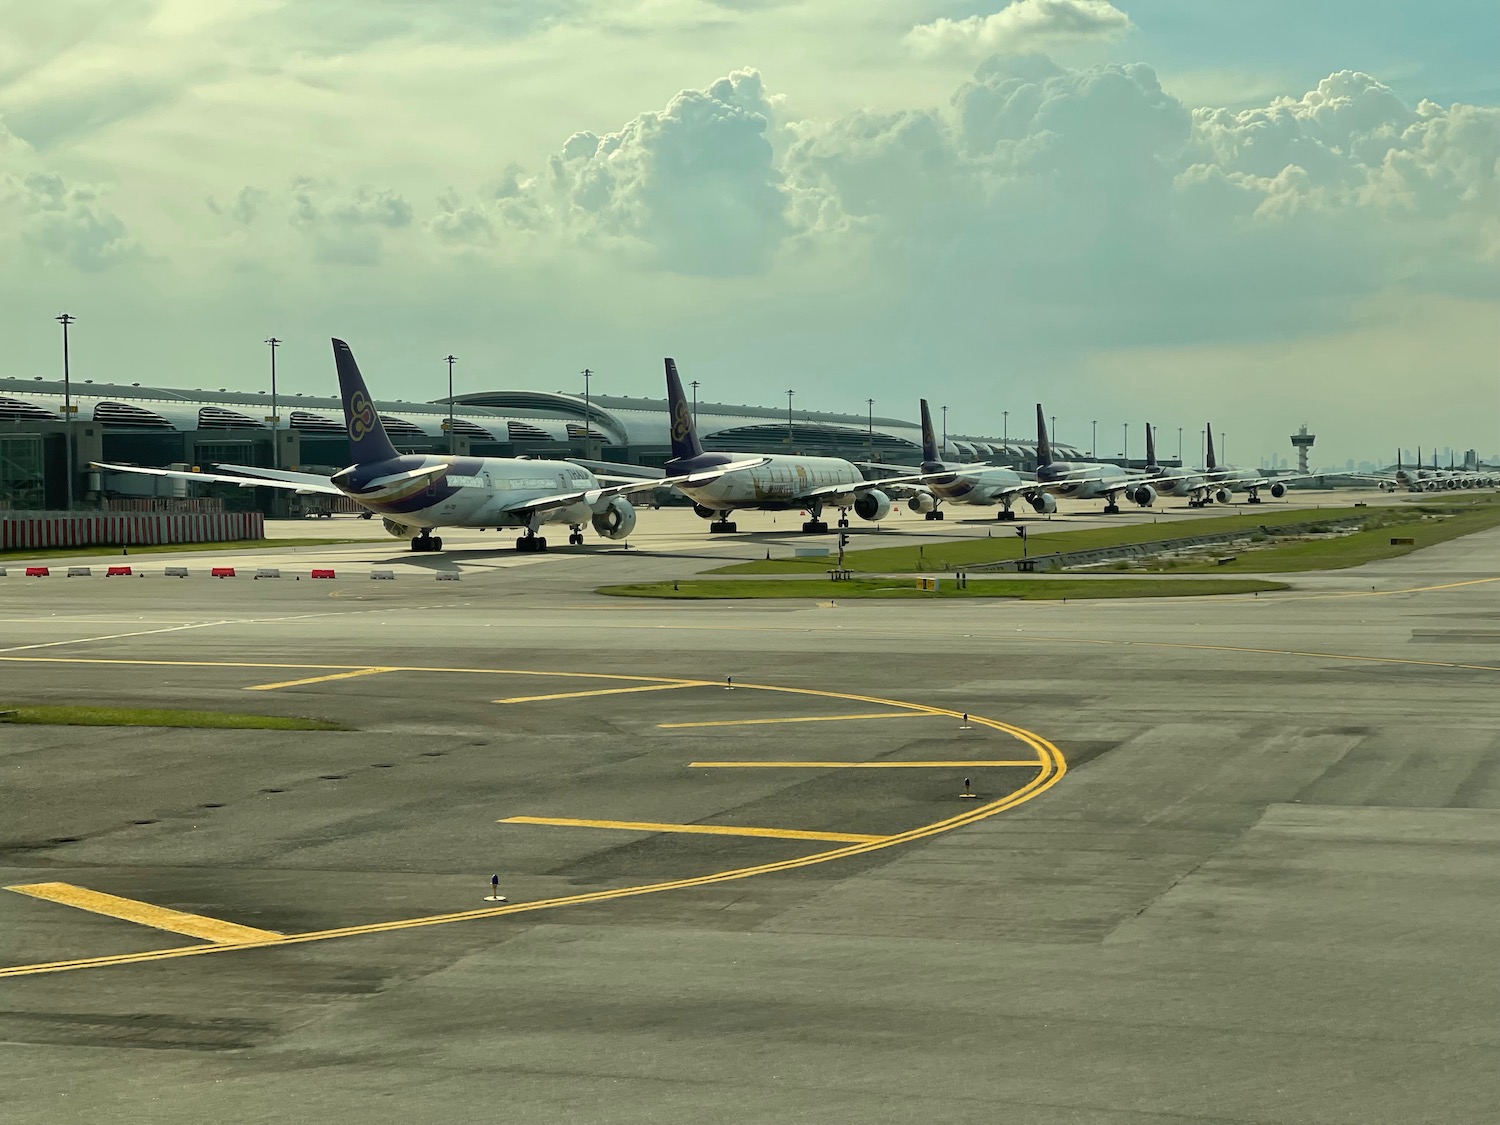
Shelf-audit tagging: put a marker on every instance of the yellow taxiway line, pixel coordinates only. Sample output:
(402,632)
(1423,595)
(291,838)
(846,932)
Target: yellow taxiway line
(794,719)
(1052,768)
(1033,763)
(321,679)
(701,829)
(157,917)
(603,691)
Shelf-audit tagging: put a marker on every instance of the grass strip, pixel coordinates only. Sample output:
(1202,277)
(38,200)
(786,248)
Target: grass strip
(71,716)
(1478,512)
(161,548)
(1026,589)
(1437,525)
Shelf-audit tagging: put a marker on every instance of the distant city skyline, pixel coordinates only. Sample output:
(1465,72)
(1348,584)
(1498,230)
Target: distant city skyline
(1258,215)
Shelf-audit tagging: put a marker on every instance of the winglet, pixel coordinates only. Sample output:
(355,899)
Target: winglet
(1043,445)
(368,441)
(685,444)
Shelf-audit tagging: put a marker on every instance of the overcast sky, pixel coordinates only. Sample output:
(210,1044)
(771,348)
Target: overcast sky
(1258,214)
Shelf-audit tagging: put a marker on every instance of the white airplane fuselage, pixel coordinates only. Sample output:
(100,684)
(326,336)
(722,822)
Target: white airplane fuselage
(475,491)
(778,484)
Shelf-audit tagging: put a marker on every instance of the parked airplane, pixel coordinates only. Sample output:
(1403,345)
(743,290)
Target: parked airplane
(1222,481)
(961,484)
(719,484)
(1084,480)
(416,493)
(1172,482)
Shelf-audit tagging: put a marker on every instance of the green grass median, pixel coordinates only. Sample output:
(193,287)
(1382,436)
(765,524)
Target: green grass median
(1431,521)
(1025,589)
(70,716)
(1428,524)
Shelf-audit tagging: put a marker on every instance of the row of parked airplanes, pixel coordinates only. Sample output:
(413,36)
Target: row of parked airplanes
(416,494)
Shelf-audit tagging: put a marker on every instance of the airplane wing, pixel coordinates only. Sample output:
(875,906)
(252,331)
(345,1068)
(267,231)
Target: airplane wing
(297,482)
(867,485)
(618,471)
(595,496)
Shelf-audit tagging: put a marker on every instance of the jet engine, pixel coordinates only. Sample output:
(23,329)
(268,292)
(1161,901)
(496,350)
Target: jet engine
(922,502)
(617,520)
(1144,495)
(1044,503)
(399,530)
(1223,495)
(1278,490)
(872,505)
(705,513)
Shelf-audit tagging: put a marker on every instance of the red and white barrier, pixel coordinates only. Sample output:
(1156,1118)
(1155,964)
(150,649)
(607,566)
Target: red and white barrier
(128,529)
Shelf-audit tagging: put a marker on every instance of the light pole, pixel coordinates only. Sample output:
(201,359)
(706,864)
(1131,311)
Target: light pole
(694,385)
(1005,427)
(1202,449)
(1054,427)
(1127,444)
(450,360)
(66,319)
(944,450)
(1179,447)
(588,418)
(1224,445)
(273,343)
(870,432)
(789,395)
(1094,441)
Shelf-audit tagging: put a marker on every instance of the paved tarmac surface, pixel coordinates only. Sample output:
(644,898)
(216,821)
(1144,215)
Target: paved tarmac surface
(1262,890)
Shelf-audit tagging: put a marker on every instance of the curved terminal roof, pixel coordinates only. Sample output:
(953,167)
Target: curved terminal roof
(499,416)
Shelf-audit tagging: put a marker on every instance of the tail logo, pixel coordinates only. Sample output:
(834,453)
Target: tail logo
(682,424)
(361,415)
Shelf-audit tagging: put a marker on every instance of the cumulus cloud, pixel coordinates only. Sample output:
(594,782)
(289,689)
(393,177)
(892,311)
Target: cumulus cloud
(1024,25)
(1095,199)
(695,184)
(60,219)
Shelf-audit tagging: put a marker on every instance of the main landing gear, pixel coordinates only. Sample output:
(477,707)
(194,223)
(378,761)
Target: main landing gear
(1111,509)
(531,541)
(1005,514)
(1253,498)
(723,525)
(426,542)
(575,536)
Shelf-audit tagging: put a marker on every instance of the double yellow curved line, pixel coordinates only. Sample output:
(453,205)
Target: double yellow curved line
(1051,766)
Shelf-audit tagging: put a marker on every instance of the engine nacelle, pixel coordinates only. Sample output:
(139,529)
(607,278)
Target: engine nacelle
(922,502)
(1278,490)
(872,505)
(1144,495)
(1223,495)
(617,520)
(1044,503)
(399,530)
(704,513)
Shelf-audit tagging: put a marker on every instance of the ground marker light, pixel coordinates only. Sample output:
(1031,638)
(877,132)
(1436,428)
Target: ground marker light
(968,793)
(965,724)
(494,895)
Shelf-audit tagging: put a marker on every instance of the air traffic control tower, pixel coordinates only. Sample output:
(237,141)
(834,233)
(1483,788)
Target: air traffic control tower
(1302,441)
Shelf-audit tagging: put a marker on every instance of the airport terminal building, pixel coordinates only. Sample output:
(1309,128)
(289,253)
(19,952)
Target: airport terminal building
(160,427)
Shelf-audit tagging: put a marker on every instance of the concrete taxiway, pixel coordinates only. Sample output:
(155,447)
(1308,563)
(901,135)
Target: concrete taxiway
(1230,860)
